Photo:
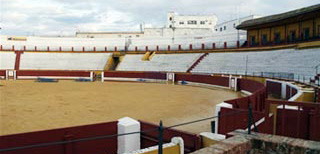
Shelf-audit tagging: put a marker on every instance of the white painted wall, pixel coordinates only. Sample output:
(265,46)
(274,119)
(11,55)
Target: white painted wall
(184,21)
(7,60)
(63,61)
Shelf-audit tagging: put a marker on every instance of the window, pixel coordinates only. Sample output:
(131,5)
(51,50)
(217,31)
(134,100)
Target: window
(170,18)
(181,22)
(264,40)
(277,37)
(252,40)
(170,26)
(216,29)
(137,35)
(220,29)
(306,33)
(202,22)
(192,22)
(234,25)
(225,28)
(292,36)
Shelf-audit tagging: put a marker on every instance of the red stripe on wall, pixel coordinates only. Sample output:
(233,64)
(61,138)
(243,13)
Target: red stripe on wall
(18,57)
(54,73)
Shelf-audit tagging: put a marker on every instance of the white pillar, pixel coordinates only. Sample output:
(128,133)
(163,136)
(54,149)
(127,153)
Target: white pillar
(102,76)
(128,143)
(283,90)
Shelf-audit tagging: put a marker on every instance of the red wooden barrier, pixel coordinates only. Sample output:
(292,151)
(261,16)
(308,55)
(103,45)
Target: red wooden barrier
(214,80)
(238,119)
(191,141)
(95,146)
(3,74)
(22,73)
(145,75)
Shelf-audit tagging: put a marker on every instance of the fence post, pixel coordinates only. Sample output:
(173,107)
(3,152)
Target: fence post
(249,118)
(160,138)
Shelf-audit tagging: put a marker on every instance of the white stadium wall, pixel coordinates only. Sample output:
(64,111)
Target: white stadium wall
(7,60)
(63,61)
(159,62)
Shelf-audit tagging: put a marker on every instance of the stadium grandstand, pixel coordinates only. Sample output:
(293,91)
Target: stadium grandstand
(200,94)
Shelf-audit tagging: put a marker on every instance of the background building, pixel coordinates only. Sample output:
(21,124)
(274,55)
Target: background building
(297,25)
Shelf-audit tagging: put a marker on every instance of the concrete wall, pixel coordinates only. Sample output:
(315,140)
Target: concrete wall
(7,60)
(63,61)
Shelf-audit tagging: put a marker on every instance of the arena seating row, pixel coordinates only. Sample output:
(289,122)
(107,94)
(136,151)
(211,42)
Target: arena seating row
(286,60)
(7,60)
(159,62)
(55,61)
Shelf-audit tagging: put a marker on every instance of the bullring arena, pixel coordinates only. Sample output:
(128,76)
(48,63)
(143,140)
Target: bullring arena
(62,104)
(259,95)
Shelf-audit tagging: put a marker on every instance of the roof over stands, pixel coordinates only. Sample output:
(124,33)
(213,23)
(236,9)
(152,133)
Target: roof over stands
(282,18)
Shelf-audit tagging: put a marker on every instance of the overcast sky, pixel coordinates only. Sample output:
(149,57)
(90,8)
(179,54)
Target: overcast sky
(65,17)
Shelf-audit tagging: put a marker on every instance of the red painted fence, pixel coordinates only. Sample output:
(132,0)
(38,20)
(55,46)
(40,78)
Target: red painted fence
(302,122)
(144,75)
(95,146)
(3,74)
(38,73)
(191,141)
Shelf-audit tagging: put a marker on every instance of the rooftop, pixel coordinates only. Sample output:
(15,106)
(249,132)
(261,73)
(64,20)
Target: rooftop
(278,17)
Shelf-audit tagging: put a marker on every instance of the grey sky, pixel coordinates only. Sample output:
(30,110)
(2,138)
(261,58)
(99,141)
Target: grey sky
(65,17)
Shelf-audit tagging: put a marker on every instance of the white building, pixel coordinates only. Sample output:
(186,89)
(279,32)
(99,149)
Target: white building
(175,20)
(181,30)
(177,25)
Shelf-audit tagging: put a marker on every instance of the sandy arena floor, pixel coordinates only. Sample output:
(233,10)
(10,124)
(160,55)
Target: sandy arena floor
(30,106)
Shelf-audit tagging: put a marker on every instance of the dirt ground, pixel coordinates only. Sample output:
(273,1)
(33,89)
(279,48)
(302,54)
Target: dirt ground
(30,106)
